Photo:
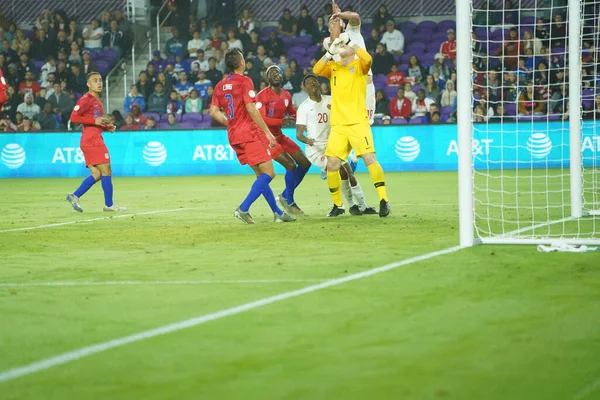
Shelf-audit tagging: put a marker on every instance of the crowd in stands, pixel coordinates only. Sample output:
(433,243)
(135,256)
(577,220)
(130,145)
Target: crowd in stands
(46,66)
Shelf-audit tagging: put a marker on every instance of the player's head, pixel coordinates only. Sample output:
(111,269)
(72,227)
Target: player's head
(234,61)
(274,76)
(346,51)
(94,82)
(312,85)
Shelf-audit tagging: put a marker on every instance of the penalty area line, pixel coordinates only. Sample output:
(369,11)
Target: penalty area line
(83,352)
(83,221)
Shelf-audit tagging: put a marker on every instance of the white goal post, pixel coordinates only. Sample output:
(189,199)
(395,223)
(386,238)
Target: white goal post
(539,183)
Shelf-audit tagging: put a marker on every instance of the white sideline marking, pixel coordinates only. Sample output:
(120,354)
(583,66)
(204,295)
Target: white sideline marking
(81,221)
(132,283)
(64,358)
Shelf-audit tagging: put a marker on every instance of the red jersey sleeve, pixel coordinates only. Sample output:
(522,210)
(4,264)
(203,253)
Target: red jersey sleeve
(248,94)
(291,110)
(77,116)
(216,97)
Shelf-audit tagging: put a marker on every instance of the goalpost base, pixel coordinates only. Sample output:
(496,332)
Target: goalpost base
(591,213)
(546,241)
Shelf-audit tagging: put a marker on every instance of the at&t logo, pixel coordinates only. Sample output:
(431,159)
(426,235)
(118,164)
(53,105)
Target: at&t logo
(539,145)
(407,148)
(13,156)
(154,154)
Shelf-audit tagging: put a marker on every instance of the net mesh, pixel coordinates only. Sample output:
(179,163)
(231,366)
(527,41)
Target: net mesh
(521,117)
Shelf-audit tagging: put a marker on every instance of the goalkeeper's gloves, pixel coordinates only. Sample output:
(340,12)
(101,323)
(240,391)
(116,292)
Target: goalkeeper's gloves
(345,39)
(334,48)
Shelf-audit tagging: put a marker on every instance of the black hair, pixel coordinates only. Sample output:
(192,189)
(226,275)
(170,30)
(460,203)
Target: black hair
(309,76)
(233,59)
(90,74)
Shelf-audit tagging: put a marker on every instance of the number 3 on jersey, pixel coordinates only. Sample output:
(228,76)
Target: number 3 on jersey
(229,99)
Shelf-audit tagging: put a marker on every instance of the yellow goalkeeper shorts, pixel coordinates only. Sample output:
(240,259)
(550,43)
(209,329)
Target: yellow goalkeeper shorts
(344,138)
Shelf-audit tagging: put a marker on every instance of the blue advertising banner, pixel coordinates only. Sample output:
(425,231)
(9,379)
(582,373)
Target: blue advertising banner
(206,152)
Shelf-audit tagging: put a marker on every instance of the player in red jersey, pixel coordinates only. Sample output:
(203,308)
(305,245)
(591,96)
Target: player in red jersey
(3,87)
(274,103)
(246,131)
(88,112)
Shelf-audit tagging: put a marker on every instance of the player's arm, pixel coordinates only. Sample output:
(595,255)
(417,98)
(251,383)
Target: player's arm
(217,115)
(352,17)
(323,66)
(274,122)
(301,137)
(365,59)
(257,118)
(291,112)
(78,117)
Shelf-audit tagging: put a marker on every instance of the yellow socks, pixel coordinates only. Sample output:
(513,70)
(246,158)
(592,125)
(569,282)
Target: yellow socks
(377,177)
(334,181)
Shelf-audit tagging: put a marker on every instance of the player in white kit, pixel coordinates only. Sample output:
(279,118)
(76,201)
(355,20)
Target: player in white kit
(353,31)
(313,117)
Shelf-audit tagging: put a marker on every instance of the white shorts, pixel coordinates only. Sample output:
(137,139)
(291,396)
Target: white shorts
(319,159)
(371,102)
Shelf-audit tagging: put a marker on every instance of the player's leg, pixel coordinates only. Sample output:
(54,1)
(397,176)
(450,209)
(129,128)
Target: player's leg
(107,188)
(346,189)
(338,148)
(92,156)
(287,162)
(278,214)
(301,166)
(356,191)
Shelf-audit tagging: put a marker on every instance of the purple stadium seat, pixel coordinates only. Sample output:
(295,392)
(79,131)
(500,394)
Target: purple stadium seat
(188,125)
(433,47)
(528,20)
(407,26)
(415,47)
(390,91)
(206,123)
(439,36)
(417,120)
(499,35)
(287,41)
(304,62)
(416,88)
(156,116)
(426,26)
(379,80)
(311,51)
(408,35)
(399,121)
(38,64)
(423,37)
(165,117)
(588,104)
(192,117)
(296,51)
(303,41)
(511,109)
(446,24)
(481,33)
(554,117)
(447,110)
(162,125)
(428,59)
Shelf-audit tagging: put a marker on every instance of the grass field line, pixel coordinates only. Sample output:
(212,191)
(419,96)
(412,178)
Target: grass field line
(83,352)
(135,283)
(113,216)
(588,390)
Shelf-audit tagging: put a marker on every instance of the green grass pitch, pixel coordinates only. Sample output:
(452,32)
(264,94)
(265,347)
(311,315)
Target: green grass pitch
(489,322)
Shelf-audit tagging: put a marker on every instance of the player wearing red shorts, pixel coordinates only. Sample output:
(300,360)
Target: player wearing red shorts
(246,132)
(88,112)
(273,104)
(3,87)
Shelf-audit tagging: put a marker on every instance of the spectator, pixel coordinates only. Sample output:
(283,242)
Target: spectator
(24,66)
(165,81)
(382,103)
(421,105)
(10,55)
(382,61)
(28,85)
(395,77)
(180,65)
(448,48)
(306,25)
(40,98)
(530,102)
(274,45)
(440,83)
(499,115)
(288,25)
(283,63)
(87,65)
(200,63)
(523,73)
(27,125)
(208,100)
(558,32)
(92,36)
(151,73)
(28,108)
(289,82)
(183,87)
(48,68)
(136,113)
(381,18)
(233,41)
(204,29)
(215,42)
(202,84)
(174,43)
(151,124)
(21,43)
(261,57)
(159,63)
(400,106)
(594,113)
(431,89)
(320,31)
(174,106)
(408,92)
(18,121)
(48,84)
(194,103)
(47,120)
(415,70)
(129,124)
(133,97)
(61,103)
(213,73)
(113,39)
(509,54)
(170,72)
(435,118)
(393,39)
(6,124)
(178,19)
(41,48)
(541,31)
(117,119)
(157,101)
(485,16)
(558,101)
(533,43)
(50,32)
(439,67)
(75,54)
(511,15)
(252,46)
(253,72)
(78,83)
(220,61)
(62,44)
(197,44)
(448,95)
(144,86)
(105,20)
(373,41)
(172,122)
(246,20)
(74,34)
(300,96)
(325,88)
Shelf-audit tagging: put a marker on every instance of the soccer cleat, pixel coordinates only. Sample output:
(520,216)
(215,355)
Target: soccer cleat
(355,210)
(74,200)
(324,175)
(115,207)
(283,218)
(336,211)
(384,208)
(294,209)
(283,202)
(370,211)
(244,216)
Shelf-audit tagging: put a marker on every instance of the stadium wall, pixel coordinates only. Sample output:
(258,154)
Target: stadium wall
(206,152)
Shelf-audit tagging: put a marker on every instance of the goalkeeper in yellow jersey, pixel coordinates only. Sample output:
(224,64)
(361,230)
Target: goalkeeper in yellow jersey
(350,127)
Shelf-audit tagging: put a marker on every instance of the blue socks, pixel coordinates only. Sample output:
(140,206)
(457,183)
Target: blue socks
(270,197)
(260,184)
(85,186)
(292,180)
(107,187)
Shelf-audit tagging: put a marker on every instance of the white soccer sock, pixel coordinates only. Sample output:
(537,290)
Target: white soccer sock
(359,195)
(347,192)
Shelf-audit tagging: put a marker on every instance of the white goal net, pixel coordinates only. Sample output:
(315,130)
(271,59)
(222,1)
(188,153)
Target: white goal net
(535,104)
